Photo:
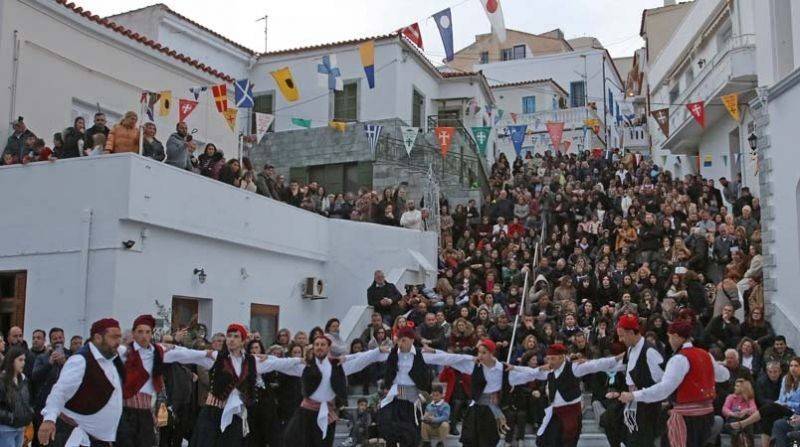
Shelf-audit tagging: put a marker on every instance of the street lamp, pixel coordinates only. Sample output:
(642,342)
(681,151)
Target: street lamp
(753,140)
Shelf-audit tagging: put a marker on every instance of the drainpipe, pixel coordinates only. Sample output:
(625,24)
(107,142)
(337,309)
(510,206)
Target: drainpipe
(86,225)
(14,72)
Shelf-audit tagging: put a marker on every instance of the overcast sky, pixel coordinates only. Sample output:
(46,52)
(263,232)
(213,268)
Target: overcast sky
(296,23)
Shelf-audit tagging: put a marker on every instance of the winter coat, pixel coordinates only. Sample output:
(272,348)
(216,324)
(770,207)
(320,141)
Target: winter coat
(19,413)
(123,139)
(71,148)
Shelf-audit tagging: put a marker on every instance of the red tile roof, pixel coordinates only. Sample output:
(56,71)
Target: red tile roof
(532,81)
(458,74)
(331,44)
(144,40)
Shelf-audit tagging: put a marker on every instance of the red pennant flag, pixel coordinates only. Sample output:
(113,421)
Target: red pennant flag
(567,144)
(698,111)
(444,135)
(412,33)
(556,131)
(220,97)
(185,108)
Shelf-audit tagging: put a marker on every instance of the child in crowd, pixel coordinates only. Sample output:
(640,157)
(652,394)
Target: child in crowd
(435,421)
(98,145)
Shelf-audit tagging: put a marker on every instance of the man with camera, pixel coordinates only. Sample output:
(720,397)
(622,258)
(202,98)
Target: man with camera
(180,148)
(46,370)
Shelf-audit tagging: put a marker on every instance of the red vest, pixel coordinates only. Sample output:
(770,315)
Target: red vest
(135,374)
(698,384)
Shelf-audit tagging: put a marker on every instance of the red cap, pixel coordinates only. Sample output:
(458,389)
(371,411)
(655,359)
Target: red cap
(557,349)
(236,327)
(406,332)
(628,322)
(488,344)
(100,326)
(146,320)
(681,328)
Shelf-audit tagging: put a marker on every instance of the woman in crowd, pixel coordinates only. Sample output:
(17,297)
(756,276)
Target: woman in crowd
(73,139)
(124,136)
(16,411)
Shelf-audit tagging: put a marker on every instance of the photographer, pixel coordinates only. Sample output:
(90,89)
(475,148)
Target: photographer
(180,148)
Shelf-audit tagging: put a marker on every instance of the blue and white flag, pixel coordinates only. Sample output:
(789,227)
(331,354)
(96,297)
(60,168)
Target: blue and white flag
(518,136)
(196,91)
(373,134)
(244,94)
(329,74)
(444,21)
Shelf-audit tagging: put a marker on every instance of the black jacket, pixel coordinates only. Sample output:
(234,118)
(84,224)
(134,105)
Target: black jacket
(90,132)
(71,138)
(18,413)
(43,377)
(376,293)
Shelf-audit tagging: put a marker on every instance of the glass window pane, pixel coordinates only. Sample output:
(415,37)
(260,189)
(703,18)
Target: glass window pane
(345,103)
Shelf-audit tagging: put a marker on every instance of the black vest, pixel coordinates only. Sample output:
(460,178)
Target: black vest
(223,378)
(95,389)
(479,384)
(420,373)
(566,384)
(640,374)
(312,377)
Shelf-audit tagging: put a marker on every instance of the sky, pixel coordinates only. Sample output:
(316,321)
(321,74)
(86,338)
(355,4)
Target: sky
(299,23)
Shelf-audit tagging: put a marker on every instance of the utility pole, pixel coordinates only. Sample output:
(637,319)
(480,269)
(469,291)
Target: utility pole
(266,35)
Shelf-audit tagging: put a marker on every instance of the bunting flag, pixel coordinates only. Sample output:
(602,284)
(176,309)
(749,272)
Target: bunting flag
(412,33)
(367,52)
(472,107)
(149,100)
(698,111)
(732,104)
(725,160)
(185,108)
(678,159)
(444,135)
(409,137)
(662,118)
(514,117)
(230,117)
(338,125)
(329,74)
(373,132)
(263,121)
(220,93)
(566,144)
(283,77)
(556,131)
(518,136)
(164,102)
(663,160)
(197,90)
(499,116)
(243,94)
(481,135)
(707,161)
(444,21)
(301,122)
(495,15)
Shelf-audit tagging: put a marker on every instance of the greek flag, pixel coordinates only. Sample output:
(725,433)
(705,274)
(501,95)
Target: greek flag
(373,134)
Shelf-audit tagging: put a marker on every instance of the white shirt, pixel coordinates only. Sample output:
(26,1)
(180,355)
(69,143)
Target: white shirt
(147,355)
(101,425)
(411,220)
(497,228)
(676,370)
(747,362)
(654,360)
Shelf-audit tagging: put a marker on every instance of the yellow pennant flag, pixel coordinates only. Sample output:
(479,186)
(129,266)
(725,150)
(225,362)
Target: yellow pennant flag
(338,125)
(164,103)
(288,88)
(230,117)
(732,104)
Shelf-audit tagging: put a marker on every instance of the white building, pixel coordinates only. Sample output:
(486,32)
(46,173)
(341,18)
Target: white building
(711,53)
(128,231)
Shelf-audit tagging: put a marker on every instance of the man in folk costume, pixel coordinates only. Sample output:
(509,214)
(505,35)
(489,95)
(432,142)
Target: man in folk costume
(85,404)
(690,374)
(323,379)
(561,426)
(642,370)
(408,373)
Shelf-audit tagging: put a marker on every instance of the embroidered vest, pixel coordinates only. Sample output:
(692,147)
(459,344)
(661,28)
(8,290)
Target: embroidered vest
(136,375)
(95,389)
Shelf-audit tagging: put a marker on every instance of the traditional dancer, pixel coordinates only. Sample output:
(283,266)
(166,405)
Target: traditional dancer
(85,404)
(561,426)
(690,374)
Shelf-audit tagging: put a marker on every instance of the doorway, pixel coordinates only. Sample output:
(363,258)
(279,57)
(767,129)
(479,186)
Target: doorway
(12,300)
(264,319)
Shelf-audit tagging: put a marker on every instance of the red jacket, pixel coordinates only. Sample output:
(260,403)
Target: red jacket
(449,376)
(698,385)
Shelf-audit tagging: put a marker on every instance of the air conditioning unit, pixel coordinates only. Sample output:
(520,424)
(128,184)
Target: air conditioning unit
(314,288)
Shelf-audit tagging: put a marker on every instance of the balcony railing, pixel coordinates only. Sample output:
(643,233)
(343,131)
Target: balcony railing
(537,121)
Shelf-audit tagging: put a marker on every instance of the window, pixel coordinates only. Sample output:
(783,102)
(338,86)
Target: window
(87,111)
(529,104)
(519,52)
(185,312)
(264,319)
(337,178)
(345,102)
(484,57)
(674,93)
(506,54)
(577,94)
(262,103)
(689,76)
(417,108)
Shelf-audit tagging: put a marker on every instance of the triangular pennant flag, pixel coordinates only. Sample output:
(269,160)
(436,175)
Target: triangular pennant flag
(444,21)
(472,107)
(732,104)
(412,33)
(566,144)
(556,131)
(338,125)
(678,159)
(196,91)
(220,93)
(230,117)
(495,14)
(329,74)
(725,160)
(185,108)
(444,135)
(263,121)
(300,122)
(518,136)
(149,99)
(698,111)
(367,52)
(481,135)
(243,94)
(373,132)
(283,77)
(499,116)
(708,161)
(662,118)
(409,137)
(164,102)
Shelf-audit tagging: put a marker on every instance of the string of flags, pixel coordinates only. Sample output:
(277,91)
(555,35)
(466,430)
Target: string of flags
(698,111)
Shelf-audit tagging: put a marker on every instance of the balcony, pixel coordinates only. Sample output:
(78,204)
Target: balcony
(572,118)
(636,137)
